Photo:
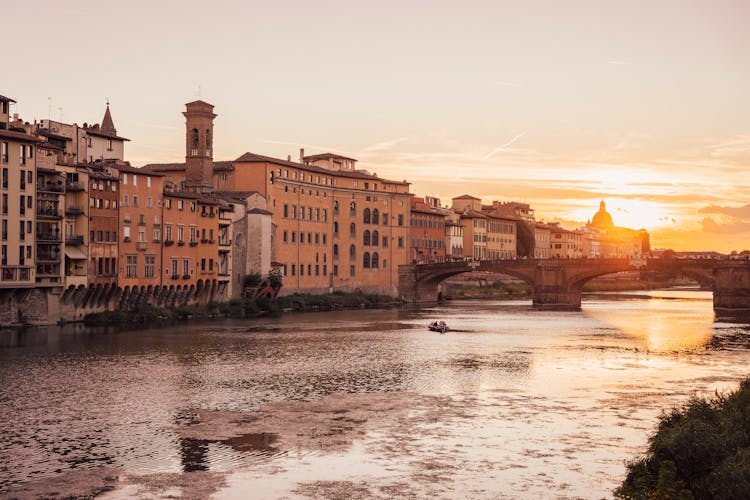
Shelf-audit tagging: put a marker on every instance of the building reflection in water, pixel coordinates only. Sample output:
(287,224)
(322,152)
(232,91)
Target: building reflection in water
(200,455)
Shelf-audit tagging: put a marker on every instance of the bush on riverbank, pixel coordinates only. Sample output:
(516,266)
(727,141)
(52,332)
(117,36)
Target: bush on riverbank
(236,308)
(497,290)
(331,301)
(699,451)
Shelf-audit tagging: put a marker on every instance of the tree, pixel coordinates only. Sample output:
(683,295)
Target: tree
(525,242)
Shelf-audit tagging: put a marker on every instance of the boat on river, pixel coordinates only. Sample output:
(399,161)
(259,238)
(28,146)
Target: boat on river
(438,326)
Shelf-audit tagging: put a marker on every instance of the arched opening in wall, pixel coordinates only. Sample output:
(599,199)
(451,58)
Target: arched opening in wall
(643,280)
(484,285)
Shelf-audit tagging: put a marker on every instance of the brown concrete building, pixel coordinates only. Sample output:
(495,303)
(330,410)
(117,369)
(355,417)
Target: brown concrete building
(426,233)
(140,219)
(104,225)
(323,211)
(565,244)
(17,205)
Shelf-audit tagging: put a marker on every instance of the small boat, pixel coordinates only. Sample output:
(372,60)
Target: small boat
(438,326)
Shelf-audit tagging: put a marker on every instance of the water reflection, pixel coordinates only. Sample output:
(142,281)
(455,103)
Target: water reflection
(513,402)
(660,321)
(196,454)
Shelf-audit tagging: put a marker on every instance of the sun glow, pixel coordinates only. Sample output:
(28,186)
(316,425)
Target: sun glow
(632,213)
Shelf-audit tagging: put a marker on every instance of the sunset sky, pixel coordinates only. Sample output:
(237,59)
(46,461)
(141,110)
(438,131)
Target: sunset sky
(645,104)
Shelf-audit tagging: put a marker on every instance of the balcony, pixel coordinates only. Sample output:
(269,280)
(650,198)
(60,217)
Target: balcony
(10,274)
(48,257)
(186,276)
(141,245)
(74,211)
(193,243)
(49,237)
(51,187)
(126,219)
(48,213)
(180,243)
(74,186)
(168,243)
(126,239)
(74,240)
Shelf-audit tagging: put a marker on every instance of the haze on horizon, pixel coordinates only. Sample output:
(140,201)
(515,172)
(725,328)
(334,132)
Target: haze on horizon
(557,104)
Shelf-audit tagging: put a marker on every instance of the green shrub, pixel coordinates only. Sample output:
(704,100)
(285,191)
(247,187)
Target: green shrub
(699,451)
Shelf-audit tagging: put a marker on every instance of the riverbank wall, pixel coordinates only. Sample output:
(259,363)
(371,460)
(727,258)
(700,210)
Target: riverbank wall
(48,306)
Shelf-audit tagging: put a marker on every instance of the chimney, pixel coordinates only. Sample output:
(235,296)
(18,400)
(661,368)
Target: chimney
(302,155)
(288,157)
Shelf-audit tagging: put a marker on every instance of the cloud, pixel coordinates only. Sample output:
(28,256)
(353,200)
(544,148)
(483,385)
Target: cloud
(383,145)
(742,212)
(504,146)
(733,227)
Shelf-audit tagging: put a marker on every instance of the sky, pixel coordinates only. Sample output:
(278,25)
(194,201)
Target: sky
(559,104)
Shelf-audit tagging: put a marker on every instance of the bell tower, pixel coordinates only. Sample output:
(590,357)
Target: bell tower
(199,138)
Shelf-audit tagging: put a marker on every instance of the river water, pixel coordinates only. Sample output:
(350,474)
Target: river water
(361,404)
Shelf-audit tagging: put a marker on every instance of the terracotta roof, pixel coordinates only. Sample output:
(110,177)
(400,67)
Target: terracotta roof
(235,196)
(108,126)
(206,200)
(473,214)
(259,211)
(101,133)
(326,156)
(465,197)
(219,166)
(18,136)
(136,170)
(256,158)
(6,99)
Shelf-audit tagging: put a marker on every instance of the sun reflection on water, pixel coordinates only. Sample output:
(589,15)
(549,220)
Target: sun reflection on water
(658,323)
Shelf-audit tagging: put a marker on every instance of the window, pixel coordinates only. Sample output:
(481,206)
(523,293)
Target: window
(366,260)
(181,234)
(335,223)
(366,237)
(335,207)
(4,153)
(352,230)
(385,241)
(366,216)
(352,252)
(385,218)
(174,268)
(375,216)
(351,270)
(179,204)
(335,249)
(135,198)
(335,270)
(352,208)
(193,234)
(131,266)
(185,267)
(168,232)
(401,242)
(141,235)
(286,235)
(375,238)
(5,204)
(286,210)
(374,261)
(400,219)
(5,177)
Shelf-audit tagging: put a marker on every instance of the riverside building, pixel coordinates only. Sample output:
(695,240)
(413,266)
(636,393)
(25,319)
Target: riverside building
(333,227)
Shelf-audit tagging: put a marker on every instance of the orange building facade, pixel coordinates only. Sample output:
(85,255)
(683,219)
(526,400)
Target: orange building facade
(427,233)
(334,227)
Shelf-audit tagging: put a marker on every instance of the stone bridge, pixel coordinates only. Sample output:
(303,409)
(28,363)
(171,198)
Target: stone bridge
(557,283)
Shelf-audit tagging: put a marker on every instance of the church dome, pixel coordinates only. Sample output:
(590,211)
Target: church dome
(602,218)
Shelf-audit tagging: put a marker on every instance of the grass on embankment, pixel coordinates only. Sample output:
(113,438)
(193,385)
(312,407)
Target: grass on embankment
(699,451)
(298,302)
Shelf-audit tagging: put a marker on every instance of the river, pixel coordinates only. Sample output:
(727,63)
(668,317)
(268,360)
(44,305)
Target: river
(360,404)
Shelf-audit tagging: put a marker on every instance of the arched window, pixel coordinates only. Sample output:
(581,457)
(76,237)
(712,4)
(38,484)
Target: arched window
(335,228)
(352,230)
(194,139)
(375,216)
(366,237)
(375,260)
(208,139)
(352,252)
(335,250)
(366,216)
(375,238)
(366,260)
(352,208)
(335,206)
